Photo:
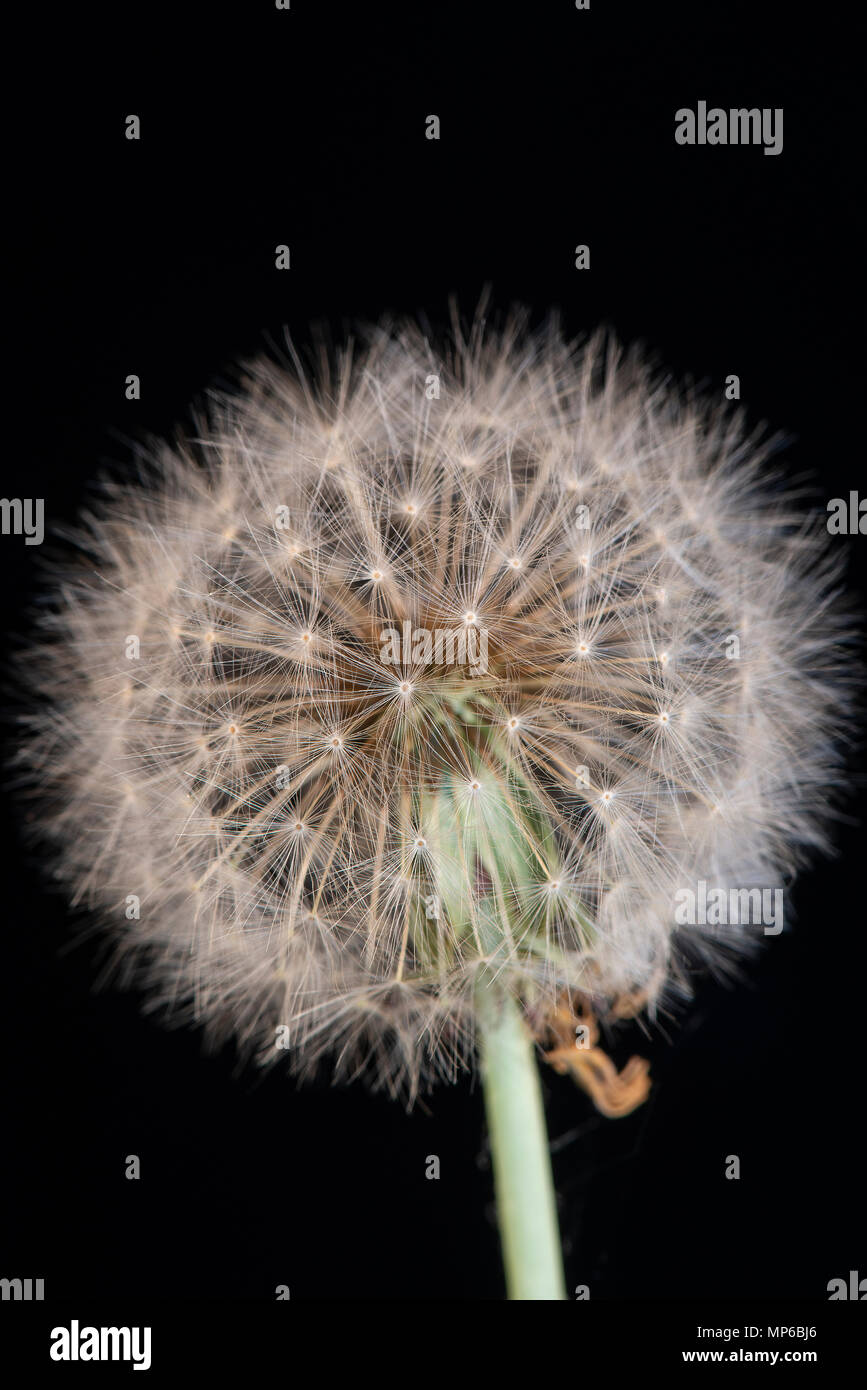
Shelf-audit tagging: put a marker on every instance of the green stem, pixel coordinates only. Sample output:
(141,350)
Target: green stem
(519,1147)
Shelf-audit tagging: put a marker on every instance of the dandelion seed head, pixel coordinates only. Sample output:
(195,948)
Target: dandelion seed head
(331,837)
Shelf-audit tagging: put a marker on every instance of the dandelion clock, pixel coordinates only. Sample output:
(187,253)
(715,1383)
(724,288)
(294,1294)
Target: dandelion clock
(438,704)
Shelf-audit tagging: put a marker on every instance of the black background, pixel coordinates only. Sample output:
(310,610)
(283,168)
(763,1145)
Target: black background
(307,127)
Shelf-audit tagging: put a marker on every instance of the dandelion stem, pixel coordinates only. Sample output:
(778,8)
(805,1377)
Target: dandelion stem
(519,1146)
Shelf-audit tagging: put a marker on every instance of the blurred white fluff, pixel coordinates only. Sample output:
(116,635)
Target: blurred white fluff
(327,842)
